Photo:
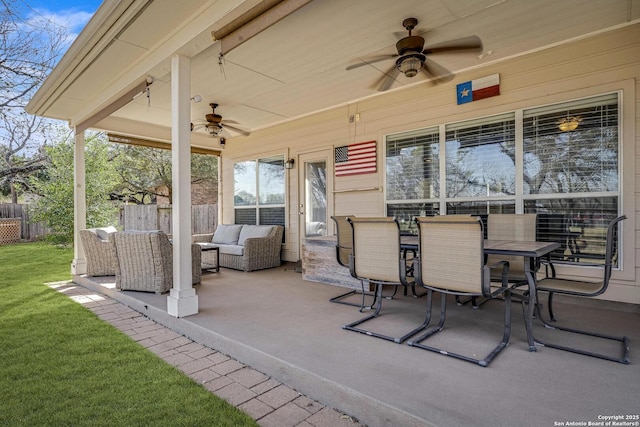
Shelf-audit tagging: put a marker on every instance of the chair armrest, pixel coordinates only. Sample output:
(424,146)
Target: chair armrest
(196,263)
(486,282)
(202,238)
(254,245)
(263,252)
(405,268)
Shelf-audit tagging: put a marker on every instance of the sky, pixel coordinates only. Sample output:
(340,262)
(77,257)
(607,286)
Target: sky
(73,14)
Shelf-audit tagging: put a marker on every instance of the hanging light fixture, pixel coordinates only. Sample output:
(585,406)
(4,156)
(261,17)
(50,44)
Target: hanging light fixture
(214,128)
(410,64)
(570,123)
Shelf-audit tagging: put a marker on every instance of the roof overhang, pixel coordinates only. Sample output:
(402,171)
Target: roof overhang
(290,68)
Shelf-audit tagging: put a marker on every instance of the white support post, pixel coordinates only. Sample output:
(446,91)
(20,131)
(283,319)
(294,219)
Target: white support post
(182,300)
(79,263)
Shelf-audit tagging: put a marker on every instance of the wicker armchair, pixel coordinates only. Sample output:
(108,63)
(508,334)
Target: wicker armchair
(101,259)
(145,261)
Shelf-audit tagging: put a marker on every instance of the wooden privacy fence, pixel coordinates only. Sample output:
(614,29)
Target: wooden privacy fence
(204,218)
(17,225)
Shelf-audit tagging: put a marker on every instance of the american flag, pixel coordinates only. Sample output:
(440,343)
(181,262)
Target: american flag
(355,159)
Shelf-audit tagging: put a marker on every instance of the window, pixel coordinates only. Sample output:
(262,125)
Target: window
(480,166)
(565,168)
(259,191)
(571,169)
(413,176)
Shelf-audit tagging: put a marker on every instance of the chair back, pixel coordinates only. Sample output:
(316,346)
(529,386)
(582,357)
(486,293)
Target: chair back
(518,227)
(344,243)
(376,249)
(611,252)
(451,254)
(144,261)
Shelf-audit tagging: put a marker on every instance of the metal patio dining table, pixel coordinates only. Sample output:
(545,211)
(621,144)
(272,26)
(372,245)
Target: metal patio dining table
(531,251)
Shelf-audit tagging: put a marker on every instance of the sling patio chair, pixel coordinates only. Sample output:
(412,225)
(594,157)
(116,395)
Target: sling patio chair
(451,261)
(377,259)
(518,227)
(554,227)
(344,249)
(558,285)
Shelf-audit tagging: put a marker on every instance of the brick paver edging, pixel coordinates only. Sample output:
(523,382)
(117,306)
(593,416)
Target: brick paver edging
(262,398)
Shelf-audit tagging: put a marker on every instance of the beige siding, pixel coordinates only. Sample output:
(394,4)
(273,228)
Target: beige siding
(607,62)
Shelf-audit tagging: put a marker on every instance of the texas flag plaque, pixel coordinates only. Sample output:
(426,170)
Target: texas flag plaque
(474,90)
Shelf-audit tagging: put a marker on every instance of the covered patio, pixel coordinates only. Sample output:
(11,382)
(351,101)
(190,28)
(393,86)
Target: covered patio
(286,328)
(284,73)
(296,84)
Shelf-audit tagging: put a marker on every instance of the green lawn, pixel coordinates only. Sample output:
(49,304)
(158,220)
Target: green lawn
(61,365)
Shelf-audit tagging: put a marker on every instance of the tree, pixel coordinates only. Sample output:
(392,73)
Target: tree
(156,180)
(54,206)
(139,187)
(28,52)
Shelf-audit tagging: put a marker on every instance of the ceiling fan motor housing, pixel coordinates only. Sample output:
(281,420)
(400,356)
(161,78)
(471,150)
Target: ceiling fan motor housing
(213,117)
(410,44)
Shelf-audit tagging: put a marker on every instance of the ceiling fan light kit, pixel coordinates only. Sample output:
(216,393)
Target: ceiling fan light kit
(411,56)
(568,124)
(213,128)
(411,64)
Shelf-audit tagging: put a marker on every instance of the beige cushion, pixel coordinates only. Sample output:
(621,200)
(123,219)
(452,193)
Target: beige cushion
(231,249)
(253,231)
(227,234)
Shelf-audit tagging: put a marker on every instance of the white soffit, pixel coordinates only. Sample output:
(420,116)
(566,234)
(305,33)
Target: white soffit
(297,66)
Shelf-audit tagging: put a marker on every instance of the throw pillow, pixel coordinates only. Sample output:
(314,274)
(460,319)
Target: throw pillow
(253,231)
(103,233)
(227,234)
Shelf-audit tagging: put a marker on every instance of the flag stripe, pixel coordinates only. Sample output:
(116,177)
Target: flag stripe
(484,82)
(486,92)
(355,159)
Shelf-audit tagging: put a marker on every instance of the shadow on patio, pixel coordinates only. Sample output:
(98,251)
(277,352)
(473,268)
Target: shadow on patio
(285,327)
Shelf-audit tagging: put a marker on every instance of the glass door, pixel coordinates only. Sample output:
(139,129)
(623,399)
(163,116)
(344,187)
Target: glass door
(315,195)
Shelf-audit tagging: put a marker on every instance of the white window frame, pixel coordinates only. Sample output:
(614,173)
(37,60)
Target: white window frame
(626,165)
(257,206)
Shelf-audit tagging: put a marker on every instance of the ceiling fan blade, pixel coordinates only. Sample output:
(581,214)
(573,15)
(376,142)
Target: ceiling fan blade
(471,43)
(235,129)
(390,78)
(371,61)
(439,73)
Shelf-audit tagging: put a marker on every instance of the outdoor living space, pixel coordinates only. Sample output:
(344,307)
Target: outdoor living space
(286,328)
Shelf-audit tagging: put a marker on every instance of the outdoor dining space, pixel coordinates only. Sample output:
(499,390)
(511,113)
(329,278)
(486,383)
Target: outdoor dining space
(287,328)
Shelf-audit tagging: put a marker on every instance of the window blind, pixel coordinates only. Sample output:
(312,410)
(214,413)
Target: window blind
(481,157)
(412,165)
(572,147)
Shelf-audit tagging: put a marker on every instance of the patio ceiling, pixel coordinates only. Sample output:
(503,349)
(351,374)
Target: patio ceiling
(294,68)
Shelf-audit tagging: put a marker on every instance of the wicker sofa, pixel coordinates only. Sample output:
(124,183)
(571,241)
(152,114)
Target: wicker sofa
(101,260)
(246,247)
(144,261)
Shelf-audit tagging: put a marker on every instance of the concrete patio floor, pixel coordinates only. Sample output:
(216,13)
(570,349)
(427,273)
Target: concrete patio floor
(286,328)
